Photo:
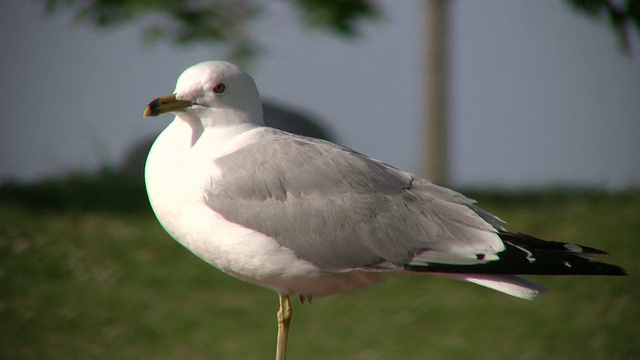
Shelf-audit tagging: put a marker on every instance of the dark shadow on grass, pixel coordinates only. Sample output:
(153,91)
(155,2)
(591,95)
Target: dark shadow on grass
(550,195)
(105,191)
(118,191)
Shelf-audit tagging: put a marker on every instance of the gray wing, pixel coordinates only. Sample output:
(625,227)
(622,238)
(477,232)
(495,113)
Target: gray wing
(339,209)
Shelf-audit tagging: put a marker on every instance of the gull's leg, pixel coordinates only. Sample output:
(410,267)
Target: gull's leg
(284,317)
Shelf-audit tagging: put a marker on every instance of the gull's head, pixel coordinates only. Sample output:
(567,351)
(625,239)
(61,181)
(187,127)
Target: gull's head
(214,92)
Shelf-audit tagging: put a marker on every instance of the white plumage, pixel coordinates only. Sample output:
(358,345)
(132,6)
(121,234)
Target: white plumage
(303,216)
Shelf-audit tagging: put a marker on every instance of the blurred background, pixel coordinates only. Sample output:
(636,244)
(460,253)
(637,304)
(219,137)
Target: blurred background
(530,107)
(538,93)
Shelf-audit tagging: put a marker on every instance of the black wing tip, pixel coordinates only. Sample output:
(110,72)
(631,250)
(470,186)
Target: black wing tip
(534,243)
(587,268)
(563,258)
(610,270)
(590,251)
(528,255)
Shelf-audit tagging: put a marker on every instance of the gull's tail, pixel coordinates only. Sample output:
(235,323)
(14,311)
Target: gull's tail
(526,255)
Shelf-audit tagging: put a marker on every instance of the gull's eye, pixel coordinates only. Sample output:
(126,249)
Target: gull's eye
(219,89)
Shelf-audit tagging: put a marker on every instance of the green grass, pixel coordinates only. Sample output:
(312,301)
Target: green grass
(83,283)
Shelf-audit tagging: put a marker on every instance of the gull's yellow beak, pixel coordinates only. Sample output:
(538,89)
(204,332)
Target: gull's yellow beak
(165,104)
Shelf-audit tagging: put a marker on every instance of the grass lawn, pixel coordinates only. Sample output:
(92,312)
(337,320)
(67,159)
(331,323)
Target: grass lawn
(82,283)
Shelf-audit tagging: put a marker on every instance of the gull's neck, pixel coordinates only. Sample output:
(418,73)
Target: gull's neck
(224,122)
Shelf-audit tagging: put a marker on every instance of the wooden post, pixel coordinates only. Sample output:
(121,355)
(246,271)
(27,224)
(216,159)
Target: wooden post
(435,144)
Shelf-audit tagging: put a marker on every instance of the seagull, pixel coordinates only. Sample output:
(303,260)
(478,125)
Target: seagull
(307,217)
